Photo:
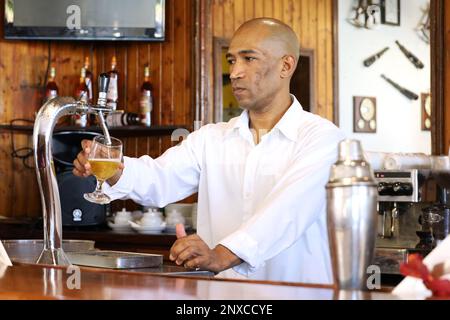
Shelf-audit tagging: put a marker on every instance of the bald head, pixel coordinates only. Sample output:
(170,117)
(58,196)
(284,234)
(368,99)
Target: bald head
(263,56)
(275,31)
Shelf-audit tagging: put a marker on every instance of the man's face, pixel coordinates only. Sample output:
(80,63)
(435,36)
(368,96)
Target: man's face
(255,67)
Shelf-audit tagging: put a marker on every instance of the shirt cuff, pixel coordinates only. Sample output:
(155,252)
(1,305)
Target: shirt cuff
(124,186)
(246,248)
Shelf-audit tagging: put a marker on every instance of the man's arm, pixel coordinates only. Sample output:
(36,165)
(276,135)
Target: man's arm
(157,182)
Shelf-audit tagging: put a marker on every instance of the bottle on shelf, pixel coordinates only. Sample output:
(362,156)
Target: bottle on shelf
(122,119)
(82,94)
(88,78)
(146,101)
(112,96)
(51,89)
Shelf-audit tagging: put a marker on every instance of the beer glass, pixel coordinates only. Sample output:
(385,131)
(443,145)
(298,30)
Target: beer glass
(105,160)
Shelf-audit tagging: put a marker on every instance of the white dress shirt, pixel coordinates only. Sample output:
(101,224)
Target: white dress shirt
(266,203)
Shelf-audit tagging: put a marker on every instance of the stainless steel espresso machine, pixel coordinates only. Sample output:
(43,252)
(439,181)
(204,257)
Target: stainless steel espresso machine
(413,215)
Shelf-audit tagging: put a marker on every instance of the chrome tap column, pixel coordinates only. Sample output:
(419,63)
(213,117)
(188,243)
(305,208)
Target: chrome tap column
(352,216)
(46,120)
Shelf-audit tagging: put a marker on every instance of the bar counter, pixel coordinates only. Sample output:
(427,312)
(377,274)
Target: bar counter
(47,282)
(32,282)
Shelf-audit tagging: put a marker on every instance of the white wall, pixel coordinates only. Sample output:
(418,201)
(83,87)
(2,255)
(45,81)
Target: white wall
(398,118)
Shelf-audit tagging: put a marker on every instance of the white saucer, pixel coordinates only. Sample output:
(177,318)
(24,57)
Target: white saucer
(119,227)
(148,229)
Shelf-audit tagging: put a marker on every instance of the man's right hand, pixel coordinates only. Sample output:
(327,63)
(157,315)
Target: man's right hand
(83,168)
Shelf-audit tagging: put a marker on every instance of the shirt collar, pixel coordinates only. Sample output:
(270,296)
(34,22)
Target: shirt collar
(288,125)
(235,124)
(290,122)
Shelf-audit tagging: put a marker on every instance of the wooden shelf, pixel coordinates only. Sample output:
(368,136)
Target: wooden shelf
(129,131)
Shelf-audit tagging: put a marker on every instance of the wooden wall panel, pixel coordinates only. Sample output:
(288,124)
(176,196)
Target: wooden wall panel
(22,74)
(312,20)
(446,78)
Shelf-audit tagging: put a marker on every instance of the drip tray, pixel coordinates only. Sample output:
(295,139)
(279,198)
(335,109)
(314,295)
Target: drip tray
(115,259)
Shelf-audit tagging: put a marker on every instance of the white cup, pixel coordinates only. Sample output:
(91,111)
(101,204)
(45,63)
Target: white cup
(184,208)
(122,217)
(175,217)
(151,219)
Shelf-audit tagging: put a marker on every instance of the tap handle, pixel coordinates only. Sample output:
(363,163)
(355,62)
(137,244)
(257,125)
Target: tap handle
(103,85)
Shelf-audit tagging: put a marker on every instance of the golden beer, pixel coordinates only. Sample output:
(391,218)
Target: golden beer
(103,169)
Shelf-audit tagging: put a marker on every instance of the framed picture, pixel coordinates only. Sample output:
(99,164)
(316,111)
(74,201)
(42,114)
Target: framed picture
(364,114)
(390,12)
(426,111)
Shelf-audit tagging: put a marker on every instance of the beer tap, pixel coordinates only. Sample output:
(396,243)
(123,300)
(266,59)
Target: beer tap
(103,84)
(46,120)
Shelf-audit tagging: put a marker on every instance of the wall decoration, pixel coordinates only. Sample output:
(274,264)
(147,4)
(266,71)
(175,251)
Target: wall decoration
(426,111)
(407,93)
(390,12)
(366,15)
(423,29)
(371,60)
(365,114)
(410,56)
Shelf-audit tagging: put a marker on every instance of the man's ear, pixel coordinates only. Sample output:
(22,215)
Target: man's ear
(289,66)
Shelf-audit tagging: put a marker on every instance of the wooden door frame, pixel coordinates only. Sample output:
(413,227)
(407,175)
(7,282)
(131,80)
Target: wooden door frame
(437,21)
(219,44)
(203,63)
(336,118)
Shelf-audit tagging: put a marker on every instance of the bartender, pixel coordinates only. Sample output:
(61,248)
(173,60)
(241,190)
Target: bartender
(260,177)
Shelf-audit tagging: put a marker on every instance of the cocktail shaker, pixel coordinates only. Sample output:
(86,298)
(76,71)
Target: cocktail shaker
(352,216)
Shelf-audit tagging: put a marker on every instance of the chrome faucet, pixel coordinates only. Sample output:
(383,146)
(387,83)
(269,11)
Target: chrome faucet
(46,119)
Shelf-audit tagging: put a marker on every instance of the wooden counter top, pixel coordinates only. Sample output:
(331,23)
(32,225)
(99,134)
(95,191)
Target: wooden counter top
(40,282)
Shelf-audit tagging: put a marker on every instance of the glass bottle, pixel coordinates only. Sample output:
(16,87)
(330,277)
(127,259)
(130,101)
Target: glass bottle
(51,89)
(88,78)
(146,101)
(82,94)
(121,119)
(112,96)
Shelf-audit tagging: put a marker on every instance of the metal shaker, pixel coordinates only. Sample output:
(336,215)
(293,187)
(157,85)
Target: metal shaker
(352,216)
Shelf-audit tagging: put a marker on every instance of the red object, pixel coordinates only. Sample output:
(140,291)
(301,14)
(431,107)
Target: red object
(417,269)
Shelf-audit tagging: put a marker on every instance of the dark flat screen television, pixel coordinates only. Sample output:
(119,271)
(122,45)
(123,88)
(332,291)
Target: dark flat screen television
(126,20)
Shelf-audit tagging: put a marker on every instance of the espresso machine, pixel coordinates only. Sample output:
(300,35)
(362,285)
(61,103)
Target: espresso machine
(413,215)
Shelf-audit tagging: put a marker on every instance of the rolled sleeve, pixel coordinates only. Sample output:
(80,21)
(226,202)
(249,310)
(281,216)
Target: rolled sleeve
(246,248)
(125,185)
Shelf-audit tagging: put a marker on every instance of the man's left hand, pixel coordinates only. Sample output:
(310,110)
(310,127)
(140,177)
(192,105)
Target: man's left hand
(193,253)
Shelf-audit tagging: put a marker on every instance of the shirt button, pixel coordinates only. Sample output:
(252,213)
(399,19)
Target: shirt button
(247,195)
